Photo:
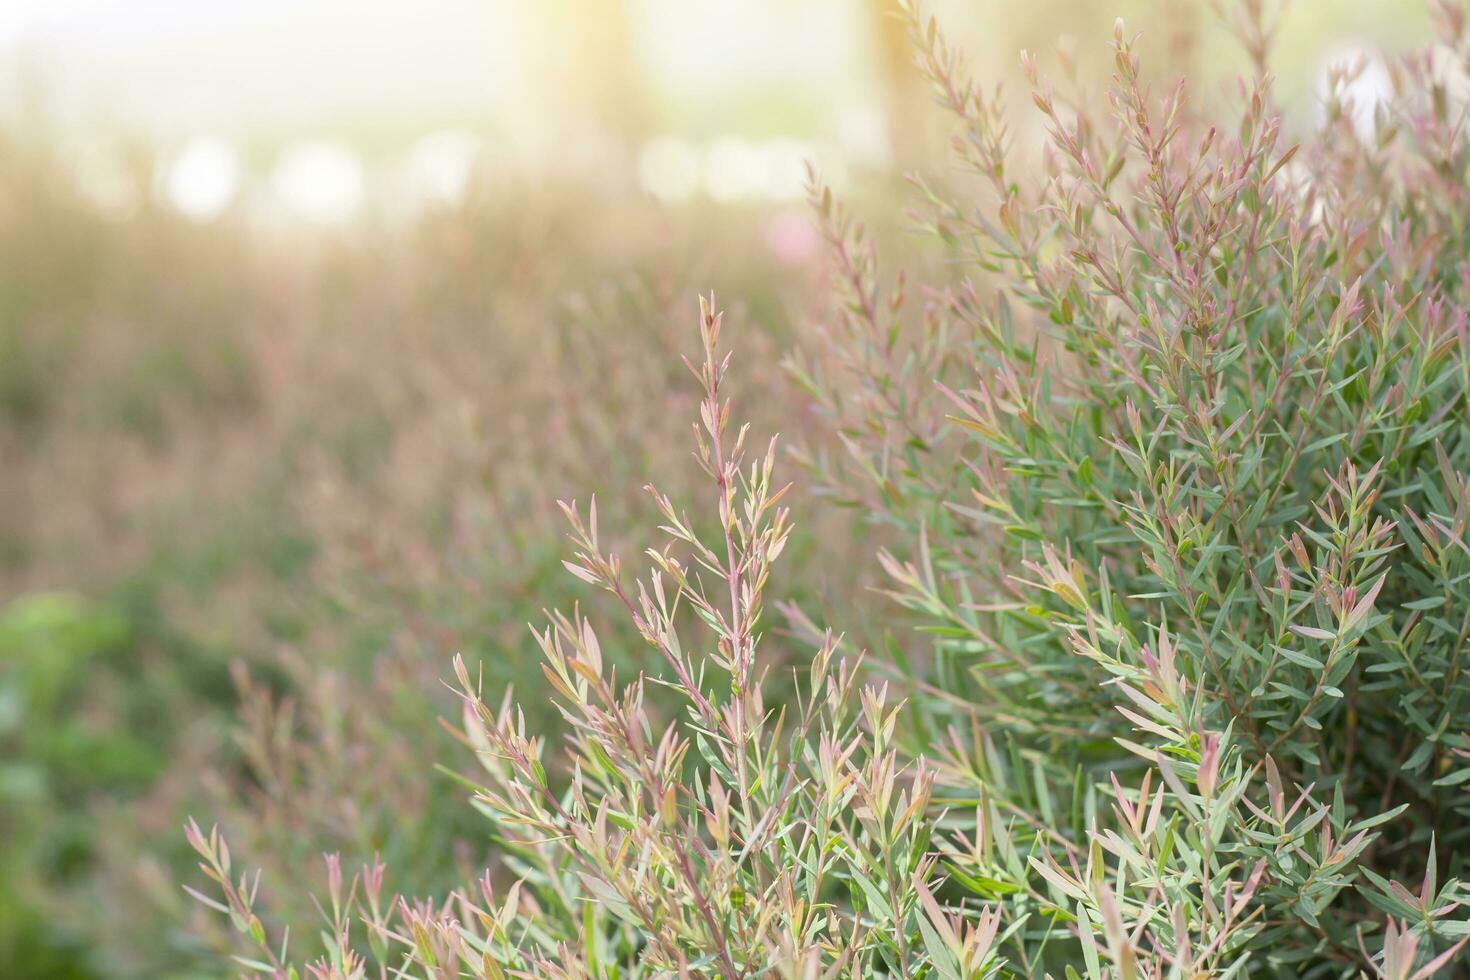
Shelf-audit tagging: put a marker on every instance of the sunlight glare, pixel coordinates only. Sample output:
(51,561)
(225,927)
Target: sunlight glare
(668,168)
(441,166)
(203,179)
(319,181)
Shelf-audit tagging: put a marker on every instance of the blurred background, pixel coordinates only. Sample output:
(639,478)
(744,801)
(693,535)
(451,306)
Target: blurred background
(309,311)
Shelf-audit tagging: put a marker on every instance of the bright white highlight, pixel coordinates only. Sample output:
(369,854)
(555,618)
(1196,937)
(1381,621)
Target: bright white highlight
(203,180)
(729,170)
(1363,94)
(863,133)
(319,181)
(734,169)
(786,162)
(442,165)
(668,169)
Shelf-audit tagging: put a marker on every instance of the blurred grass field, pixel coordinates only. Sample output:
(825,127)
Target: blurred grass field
(259,482)
(329,461)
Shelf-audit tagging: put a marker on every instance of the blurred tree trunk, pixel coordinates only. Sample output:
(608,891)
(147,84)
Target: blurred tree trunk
(592,78)
(913,120)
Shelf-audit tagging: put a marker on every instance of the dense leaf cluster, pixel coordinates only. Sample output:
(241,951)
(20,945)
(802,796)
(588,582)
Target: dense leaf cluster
(1175,480)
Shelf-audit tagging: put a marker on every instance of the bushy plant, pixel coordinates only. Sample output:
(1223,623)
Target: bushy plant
(55,744)
(631,849)
(446,544)
(1174,493)
(327,460)
(1182,475)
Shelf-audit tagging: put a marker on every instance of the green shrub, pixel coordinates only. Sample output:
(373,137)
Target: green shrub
(1183,477)
(60,739)
(332,460)
(1175,493)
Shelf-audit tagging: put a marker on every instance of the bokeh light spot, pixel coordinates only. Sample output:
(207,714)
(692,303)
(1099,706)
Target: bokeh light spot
(203,179)
(319,181)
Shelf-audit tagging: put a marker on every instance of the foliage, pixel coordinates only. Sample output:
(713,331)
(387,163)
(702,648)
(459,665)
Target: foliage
(289,476)
(70,728)
(1183,476)
(43,762)
(1176,490)
(641,854)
